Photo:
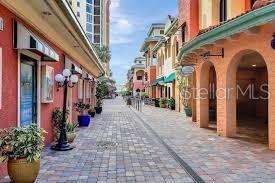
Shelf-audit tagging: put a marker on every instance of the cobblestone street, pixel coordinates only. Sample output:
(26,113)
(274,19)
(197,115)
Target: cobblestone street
(157,145)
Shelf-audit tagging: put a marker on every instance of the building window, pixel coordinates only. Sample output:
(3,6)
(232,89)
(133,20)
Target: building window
(223,10)
(89,8)
(139,78)
(89,27)
(97,2)
(252,2)
(90,1)
(78,14)
(97,39)
(97,11)
(97,29)
(78,4)
(161,31)
(89,18)
(183,28)
(90,37)
(97,19)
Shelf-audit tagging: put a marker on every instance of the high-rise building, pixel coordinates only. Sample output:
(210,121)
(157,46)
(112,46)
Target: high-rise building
(93,15)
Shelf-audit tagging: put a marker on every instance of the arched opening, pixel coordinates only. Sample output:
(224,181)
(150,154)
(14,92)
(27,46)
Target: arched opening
(140,74)
(252,102)
(207,96)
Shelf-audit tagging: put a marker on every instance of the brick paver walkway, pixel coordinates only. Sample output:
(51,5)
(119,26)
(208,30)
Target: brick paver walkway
(214,158)
(157,145)
(132,154)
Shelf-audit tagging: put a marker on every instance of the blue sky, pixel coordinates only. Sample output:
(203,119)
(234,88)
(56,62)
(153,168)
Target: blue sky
(130,21)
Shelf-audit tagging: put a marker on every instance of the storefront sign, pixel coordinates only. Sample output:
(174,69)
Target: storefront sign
(187,70)
(1,24)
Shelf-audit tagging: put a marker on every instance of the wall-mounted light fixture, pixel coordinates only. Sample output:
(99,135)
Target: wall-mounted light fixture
(208,54)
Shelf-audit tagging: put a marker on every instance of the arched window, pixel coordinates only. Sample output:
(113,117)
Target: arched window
(138,90)
(252,3)
(223,10)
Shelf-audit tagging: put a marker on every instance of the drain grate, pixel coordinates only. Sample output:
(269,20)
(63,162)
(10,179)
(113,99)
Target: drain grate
(106,144)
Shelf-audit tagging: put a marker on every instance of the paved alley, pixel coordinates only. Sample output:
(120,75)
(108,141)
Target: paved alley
(156,145)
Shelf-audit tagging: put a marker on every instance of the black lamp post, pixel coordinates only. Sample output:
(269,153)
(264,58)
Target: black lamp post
(66,79)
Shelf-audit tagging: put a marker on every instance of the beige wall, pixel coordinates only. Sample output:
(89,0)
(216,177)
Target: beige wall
(209,11)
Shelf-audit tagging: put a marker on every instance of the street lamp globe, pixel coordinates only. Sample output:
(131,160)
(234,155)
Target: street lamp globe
(59,78)
(66,72)
(74,79)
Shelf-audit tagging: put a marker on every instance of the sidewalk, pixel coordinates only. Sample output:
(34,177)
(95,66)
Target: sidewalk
(115,148)
(212,157)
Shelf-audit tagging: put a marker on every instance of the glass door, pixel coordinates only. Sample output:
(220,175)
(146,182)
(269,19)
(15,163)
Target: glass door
(28,91)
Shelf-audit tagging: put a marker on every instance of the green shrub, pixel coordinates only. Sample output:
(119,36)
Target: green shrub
(171,103)
(145,95)
(25,142)
(163,101)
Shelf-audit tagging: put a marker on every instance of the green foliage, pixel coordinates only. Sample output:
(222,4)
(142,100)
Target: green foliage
(183,86)
(101,91)
(163,101)
(171,102)
(27,142)
(57,117)
(80,107)
(145,95)
(71,127)
(103,53)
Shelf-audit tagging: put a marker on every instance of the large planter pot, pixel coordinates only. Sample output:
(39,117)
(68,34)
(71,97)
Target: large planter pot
(98,110)
(188,111)
(70,136)
(157,103)
(22,171)
(84,120)
(173,107)
(163,105)
(92,114)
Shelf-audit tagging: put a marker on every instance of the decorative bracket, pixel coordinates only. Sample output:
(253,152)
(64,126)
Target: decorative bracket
(208,54)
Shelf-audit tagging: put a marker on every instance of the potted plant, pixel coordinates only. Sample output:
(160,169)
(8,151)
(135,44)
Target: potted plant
(83,119)
(91,112)
(183,85)
(98,107)
(171,103)
(156,100)
(57,117)
(21,148)
(101,92)
(71,133)
(163,102)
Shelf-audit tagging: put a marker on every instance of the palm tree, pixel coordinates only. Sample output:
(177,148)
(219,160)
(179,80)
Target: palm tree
(103,53)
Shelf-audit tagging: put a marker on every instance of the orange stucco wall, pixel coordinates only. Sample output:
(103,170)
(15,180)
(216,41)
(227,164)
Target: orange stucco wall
(226,69)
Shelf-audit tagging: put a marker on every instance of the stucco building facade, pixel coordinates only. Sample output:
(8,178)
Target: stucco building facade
(38,40)
(229,46)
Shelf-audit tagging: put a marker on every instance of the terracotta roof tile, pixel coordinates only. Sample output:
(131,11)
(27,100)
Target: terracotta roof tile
(258,4)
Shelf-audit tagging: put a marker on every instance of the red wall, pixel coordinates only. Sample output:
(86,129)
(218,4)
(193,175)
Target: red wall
(189,15)
(8,113)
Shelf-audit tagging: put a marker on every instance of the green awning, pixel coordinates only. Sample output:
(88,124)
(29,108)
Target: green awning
(156,82)
(170,78)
